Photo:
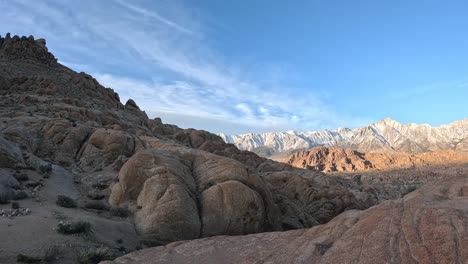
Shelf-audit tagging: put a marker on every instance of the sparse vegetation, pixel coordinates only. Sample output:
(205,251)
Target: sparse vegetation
(52,253)
(65,201)
(97,205)
(21,258)
(32,184)
(120,212)
(4,198)
(20,195)
(323,247)
(45,169)
(94,256)
(74,228)
(21,176)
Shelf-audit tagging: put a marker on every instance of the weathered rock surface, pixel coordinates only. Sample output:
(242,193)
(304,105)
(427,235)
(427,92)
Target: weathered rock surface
(221,196)
(426,226)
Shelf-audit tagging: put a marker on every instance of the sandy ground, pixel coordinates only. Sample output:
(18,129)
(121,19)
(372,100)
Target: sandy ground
(35,234)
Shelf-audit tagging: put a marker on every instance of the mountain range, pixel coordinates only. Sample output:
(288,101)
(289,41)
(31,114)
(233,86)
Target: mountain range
(386,135)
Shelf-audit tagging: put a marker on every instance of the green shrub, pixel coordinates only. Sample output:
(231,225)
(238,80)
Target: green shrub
(65,201)
(94,256)
(27,259)
(74,228)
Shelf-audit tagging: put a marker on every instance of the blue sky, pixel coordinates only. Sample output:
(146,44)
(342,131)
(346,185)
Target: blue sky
(258,66)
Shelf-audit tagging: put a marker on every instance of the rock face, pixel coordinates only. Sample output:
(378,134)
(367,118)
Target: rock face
(426,226)
(386,135)
(26,48)
(337,159)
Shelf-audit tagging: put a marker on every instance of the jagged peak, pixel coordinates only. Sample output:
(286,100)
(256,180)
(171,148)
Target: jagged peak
(26,48)
(387,120)
(343,130)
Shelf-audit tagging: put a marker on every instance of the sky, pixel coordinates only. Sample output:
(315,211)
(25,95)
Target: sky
(258,66)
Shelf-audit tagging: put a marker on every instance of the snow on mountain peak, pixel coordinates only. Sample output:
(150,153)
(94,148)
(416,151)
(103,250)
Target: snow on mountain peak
(383,136)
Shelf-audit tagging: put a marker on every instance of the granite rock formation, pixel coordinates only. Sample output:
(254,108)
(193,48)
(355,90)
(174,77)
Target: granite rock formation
(426,226)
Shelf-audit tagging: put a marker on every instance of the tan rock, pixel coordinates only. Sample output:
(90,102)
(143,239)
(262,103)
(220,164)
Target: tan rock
(231,208)
(104,146)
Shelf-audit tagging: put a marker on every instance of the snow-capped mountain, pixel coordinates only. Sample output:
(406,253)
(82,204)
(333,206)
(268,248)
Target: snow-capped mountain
(386,135)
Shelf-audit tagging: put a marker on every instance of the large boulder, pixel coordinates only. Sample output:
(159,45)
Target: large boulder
(159,187)
(174,188)
(231,208)
(104,146)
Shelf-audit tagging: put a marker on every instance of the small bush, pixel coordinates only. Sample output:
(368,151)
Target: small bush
(15,205)
(97,205)
(65,201)
(94,256)
(27,259)
(323,247)
(21,176)
(120,212)
(32,184)
(20,195)
(74,228)
(4,198)
(45,169)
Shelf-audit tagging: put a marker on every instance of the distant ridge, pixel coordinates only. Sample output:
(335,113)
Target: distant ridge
(386,135)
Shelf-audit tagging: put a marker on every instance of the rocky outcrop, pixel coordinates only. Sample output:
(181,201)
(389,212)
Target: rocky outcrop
(337,159)
(426,226)
(171,188)
(26,48)
(180,188)
(104,146)
(329,159)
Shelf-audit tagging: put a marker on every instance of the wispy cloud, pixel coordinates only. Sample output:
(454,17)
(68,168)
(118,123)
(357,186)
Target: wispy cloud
(166,64)
(155,15)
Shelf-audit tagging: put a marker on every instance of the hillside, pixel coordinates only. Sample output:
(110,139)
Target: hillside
(342,160)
